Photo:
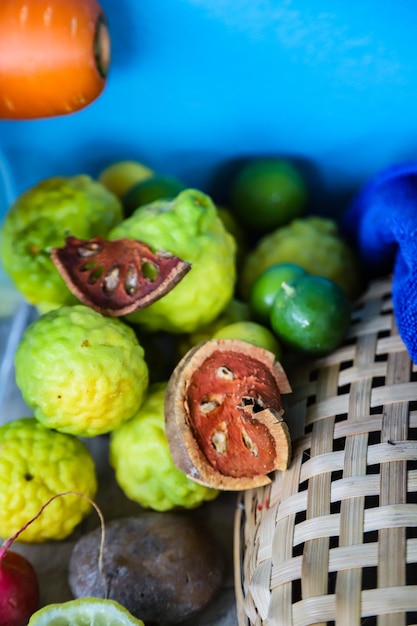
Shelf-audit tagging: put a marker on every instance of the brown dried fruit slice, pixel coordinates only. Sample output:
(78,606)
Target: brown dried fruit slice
(117,277)
(223,415)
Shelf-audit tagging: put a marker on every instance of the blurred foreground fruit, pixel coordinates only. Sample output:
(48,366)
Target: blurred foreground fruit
(268,193)
(311,314)
(140,456)
(312,242)
(41,218)
(189,228)
(35,464)
(81,372)
(84,612)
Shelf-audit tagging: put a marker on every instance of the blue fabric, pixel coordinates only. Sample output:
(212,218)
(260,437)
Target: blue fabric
(382,223)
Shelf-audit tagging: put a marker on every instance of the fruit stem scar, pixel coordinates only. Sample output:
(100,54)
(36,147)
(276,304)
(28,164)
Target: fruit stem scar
(289,289)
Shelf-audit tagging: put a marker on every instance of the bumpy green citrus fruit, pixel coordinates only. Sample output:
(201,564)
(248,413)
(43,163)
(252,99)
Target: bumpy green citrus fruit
(40,219)
(268,193)
(312,242)
(190,228)
(81,372)
(37,463)
(84,612)
(145,471)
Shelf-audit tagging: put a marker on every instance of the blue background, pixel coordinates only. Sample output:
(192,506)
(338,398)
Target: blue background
(197,85)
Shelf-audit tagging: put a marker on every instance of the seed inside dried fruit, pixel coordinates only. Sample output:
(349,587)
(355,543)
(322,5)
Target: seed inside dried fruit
(117,277)
(223,415)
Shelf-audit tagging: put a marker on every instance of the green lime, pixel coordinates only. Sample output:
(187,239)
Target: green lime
(313,242)
(37,463)
(268,193)
(84,612)
(311,314)
(266,286)
(253,333)
(156,187)
(81,372)
(144,469)
(119,176)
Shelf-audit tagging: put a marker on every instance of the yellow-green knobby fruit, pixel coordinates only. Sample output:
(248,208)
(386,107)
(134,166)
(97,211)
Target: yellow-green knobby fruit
(40,219)
(189,227)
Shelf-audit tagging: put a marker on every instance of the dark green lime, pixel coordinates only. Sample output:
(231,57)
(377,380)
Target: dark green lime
(268,193)
(311,314)
(156,187)
(267,285)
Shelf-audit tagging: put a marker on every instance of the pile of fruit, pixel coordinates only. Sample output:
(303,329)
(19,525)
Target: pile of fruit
(165,321)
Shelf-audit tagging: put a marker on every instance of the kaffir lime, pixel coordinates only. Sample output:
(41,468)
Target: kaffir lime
(37,463)
(145,471)
(312,242)
(81,372)
(41,218)
(190,228)
(84,612)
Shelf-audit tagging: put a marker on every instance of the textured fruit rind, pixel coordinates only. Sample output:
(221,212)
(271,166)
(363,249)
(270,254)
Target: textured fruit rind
(190,228)
(98,611)
(81,372)
(40,219)
(35,464)
(145,471)
(312,242)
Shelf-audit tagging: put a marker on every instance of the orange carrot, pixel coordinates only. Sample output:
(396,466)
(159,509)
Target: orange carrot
(54,56)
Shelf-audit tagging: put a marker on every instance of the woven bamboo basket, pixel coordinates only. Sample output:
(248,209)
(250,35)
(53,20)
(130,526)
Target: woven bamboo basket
(333,540)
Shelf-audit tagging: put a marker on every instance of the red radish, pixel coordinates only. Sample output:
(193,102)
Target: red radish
(19,586)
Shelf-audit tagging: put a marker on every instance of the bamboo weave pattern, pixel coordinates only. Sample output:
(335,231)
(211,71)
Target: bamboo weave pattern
(333,540)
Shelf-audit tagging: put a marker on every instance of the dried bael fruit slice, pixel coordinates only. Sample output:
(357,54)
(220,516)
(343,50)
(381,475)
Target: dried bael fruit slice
(117,277)
(223,415)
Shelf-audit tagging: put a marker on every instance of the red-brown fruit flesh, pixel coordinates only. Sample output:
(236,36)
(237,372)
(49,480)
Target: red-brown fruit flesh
(19,589)
(224,419)
(117,277)
(223,415)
